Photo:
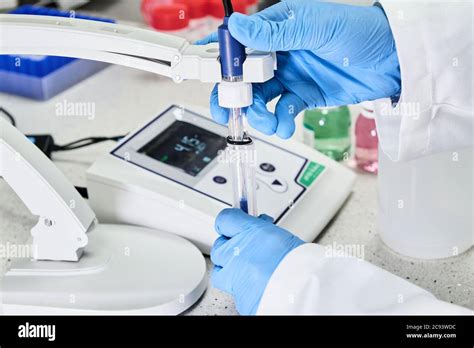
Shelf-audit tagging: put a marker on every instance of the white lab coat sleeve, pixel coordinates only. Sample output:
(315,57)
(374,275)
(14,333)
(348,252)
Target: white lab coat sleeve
(313,279)
(435,111)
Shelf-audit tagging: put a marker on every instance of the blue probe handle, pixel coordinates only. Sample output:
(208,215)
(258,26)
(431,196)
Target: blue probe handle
(232,53)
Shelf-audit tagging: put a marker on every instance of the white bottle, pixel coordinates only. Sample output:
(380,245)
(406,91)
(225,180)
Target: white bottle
(426,205)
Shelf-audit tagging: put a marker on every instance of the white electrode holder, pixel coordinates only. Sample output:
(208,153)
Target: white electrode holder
(91,268)
(235,94)
(142,49)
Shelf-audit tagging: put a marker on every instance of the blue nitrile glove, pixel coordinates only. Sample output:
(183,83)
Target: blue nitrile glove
(328,55)
(246,255)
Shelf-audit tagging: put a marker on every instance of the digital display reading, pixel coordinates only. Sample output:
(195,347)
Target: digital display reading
(185,146)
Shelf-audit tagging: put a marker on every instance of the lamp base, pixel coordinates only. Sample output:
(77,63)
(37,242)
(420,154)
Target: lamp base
(124,270)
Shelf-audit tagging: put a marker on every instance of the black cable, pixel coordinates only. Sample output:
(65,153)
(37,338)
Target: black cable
(9,116)
(228,8)
(72,145)
(85,142)
(82,191)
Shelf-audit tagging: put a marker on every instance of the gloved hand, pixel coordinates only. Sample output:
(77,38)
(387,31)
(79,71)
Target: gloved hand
(246,255)
(328,55)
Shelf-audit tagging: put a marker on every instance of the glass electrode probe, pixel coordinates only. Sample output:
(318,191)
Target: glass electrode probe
(236,96)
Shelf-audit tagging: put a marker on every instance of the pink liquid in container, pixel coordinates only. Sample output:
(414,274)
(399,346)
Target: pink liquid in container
(367,142)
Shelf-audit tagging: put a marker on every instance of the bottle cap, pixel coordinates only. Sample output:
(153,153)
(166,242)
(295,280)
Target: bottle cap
(197,8)
(368,105)
(327,109)
(368,109)
(167,17)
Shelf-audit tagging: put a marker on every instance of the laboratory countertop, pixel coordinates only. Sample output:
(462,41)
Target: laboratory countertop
(123,99)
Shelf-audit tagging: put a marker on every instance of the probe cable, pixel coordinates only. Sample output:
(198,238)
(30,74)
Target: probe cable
(8,115)
(85,142)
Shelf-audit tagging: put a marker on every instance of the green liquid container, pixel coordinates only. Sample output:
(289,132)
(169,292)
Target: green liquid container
(328,130)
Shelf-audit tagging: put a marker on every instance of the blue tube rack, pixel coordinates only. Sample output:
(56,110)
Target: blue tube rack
(43,77)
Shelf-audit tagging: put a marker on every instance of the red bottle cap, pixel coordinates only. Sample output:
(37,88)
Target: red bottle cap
(165,16)
(197,8)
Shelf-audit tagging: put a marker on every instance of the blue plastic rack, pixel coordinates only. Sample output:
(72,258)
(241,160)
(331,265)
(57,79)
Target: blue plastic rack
(43,77)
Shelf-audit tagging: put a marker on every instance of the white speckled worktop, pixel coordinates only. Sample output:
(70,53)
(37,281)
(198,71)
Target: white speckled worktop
(124,99)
